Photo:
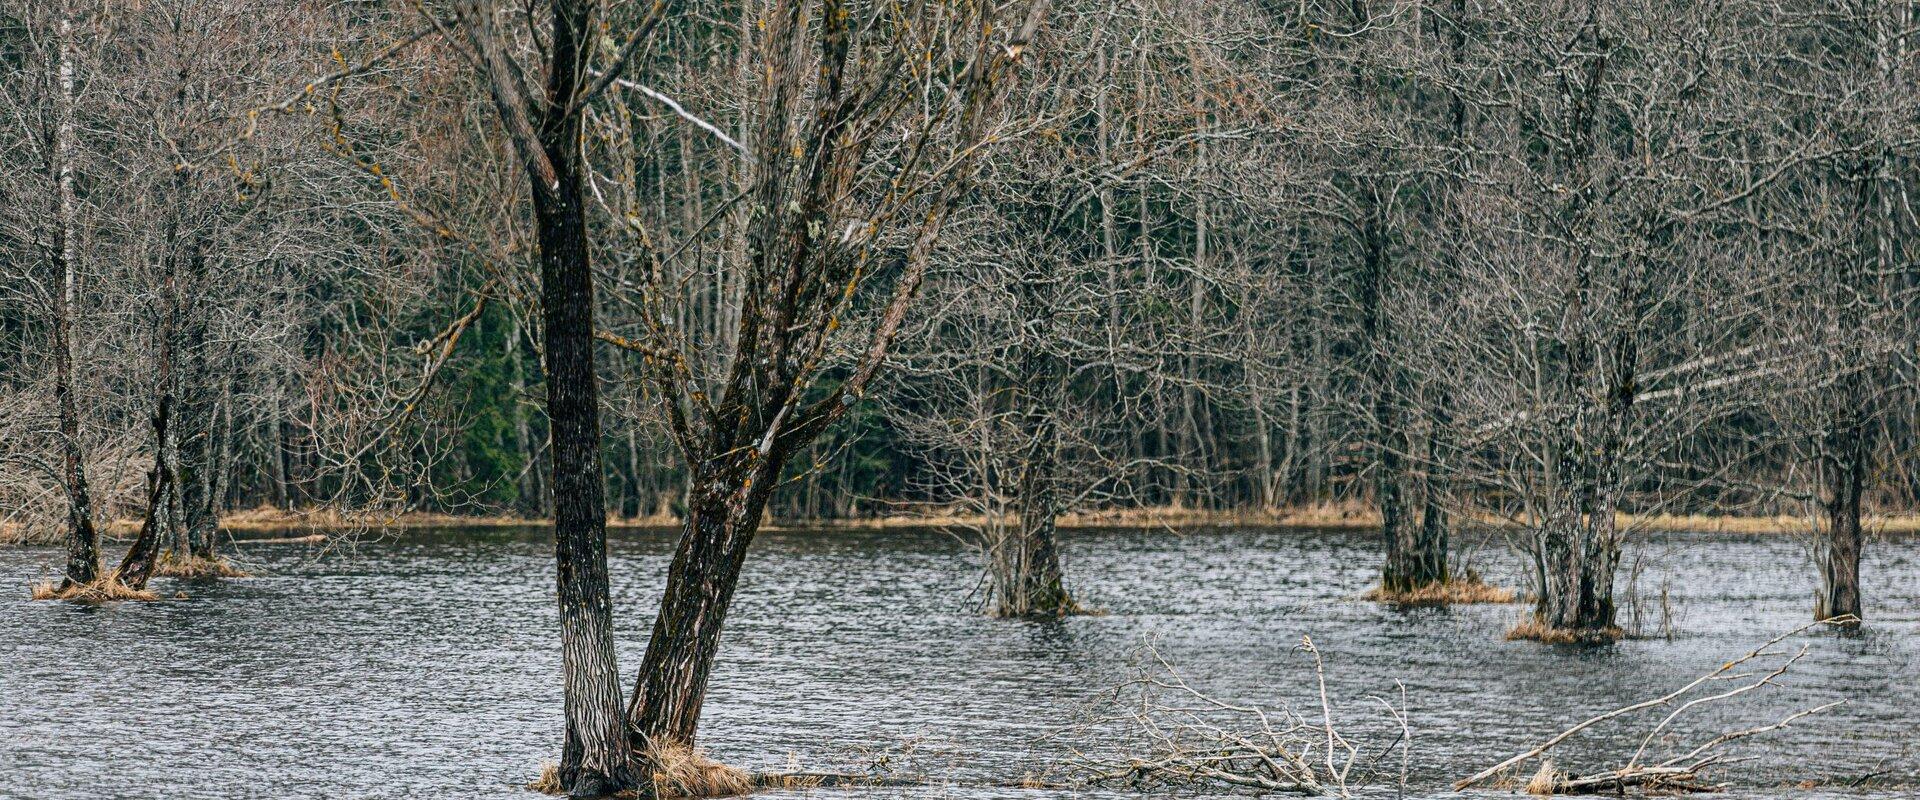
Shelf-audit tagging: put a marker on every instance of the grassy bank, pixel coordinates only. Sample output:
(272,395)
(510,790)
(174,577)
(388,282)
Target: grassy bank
(1350,516)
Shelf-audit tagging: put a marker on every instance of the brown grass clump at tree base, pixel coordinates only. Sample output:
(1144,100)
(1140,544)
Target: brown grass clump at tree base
(172,566)
(106,589)
(1531,629)
(685,771)
(1464,590)
(549,780)
(678,770)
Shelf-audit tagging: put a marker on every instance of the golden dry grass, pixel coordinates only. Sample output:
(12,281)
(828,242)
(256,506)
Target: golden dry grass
(683,771)
(1701,523)
(1545,781)
(267,518)
(1328,515)
(1323,515)
(1531,629)
(172,566)
(1346,514)
(1463,591)
(549,780)
(786,781)
(106,589)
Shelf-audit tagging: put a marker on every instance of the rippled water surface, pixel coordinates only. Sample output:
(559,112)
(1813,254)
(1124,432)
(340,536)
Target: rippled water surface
(426,664)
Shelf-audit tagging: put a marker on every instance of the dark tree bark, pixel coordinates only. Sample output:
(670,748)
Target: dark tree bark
(136,568)
(1415,556)
(1837,548)
(595,759)
(724,508)
(1431,542)
(1027,578)
(194,467)
(83,539)
(218,456)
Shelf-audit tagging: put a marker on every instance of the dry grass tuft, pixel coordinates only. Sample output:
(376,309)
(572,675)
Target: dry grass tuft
(684,771)
(1461,591)
(549,780)
(777,780)
(1531,629)
(1545,781)
(196,567)
(106,589)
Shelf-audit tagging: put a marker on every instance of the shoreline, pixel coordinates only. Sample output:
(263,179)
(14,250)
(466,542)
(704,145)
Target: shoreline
(1343,517)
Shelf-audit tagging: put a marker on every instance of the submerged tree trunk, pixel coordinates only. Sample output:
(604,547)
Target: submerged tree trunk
(1025,567)
(136,568)
(594,759)
(1838,542)
(204,530)
(1024,564)
(1577,548)
(724,506)
(1430,544)
(1411,562)
(83,539)
(193,448)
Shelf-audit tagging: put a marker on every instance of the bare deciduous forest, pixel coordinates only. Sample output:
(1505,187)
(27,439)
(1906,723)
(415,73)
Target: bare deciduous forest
(1511,316)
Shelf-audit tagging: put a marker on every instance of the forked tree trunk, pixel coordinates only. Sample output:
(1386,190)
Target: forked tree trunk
(1024,567)
(1028,579)
(594,757)
(1026,574)
(724,507)
(136,568)
(1577,552)
(163,490)
(1577,549)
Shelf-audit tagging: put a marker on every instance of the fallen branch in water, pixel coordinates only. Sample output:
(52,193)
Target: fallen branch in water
(1191,738)
(1681,772)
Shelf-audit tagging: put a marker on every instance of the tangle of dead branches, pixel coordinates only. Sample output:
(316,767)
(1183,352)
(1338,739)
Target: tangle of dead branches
(1684,770)
(1186,737)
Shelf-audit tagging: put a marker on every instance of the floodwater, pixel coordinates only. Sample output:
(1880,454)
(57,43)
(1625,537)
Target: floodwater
(425,664)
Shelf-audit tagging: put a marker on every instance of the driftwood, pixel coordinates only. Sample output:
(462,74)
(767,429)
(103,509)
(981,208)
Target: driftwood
(1190,738)
(1683,772)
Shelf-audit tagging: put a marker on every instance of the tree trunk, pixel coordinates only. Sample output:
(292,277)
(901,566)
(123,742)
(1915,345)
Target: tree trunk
(594,757)
(1837,546)
(219,457)
(724,507)
(136,568)
(1577,549)
(83,540)
(1430,545)
(1027,579)
(1030,582)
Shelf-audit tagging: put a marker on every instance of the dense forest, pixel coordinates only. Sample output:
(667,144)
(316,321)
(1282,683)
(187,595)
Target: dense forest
(1552,269)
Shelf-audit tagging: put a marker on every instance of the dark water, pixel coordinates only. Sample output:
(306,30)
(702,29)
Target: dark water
(425,665)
